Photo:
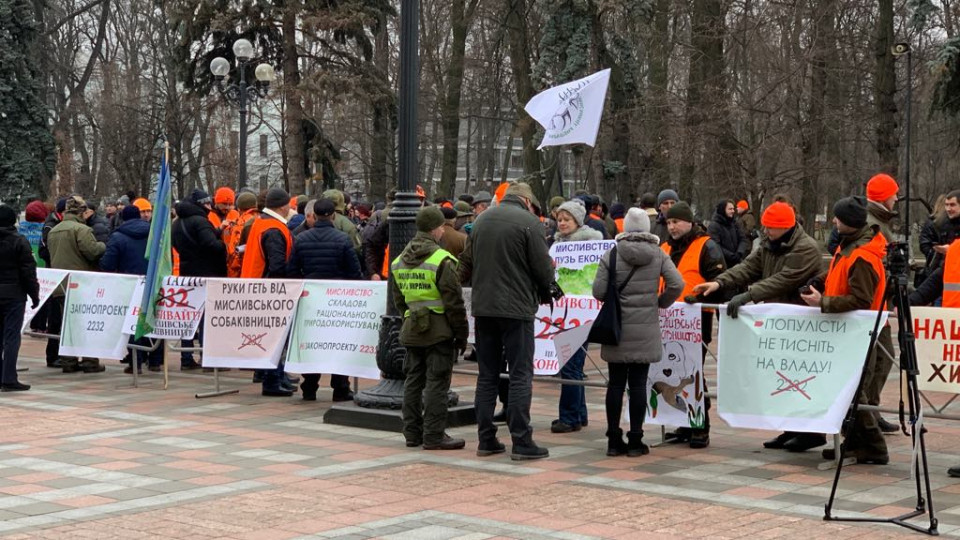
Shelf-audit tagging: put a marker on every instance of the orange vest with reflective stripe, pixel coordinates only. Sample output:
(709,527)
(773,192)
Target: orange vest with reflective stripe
(176,262)
(385,271)
(231,238)
(619,222)
(838,282)
(254,263)
(689,266)
(951,276)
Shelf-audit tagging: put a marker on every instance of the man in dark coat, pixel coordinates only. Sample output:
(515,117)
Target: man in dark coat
(18,281)
(99,225)
(125,255)
(323,252)
(512,272)
(665,200)
(683,235)
(202,252)
(727,234)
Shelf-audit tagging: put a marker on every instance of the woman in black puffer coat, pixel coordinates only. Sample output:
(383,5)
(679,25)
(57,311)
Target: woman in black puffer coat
(725,231)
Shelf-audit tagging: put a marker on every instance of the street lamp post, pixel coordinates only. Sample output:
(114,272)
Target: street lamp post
(241,93)
(898,50)
(388,393)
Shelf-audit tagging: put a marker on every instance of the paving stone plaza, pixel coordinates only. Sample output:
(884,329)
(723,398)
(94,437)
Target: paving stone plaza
(86,456)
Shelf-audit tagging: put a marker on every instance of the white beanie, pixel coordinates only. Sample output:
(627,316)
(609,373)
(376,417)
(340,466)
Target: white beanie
(636,220)
(576,210)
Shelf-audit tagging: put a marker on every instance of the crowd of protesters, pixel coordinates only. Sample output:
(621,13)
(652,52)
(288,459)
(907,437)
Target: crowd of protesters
(666,249)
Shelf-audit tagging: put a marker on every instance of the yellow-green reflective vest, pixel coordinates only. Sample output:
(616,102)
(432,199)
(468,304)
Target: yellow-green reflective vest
(419,284)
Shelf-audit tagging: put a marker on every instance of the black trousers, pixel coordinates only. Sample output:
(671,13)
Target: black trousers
(622,375)
(311,383)
(11,319)
(502,340)
(54,325)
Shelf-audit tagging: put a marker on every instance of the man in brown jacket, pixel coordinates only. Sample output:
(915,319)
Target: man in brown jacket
(453,240)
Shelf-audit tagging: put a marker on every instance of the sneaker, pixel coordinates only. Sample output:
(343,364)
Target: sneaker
(413,443)
(525,453)
(446,443)
(562,427)
(343,396)
(14,387)
(490,448)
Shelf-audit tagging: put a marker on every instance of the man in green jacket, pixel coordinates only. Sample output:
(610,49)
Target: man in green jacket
(788,258)
(72,247)
(512,273)
(341,222)
(427,291)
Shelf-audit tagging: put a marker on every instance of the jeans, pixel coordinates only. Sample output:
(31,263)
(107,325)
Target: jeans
(501,338)
(573,403)
(622,375)
(11,319)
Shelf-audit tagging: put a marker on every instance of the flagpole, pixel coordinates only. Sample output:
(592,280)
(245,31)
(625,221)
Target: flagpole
(163,342)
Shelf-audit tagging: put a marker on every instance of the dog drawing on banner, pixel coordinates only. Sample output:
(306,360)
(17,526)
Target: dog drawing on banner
(676,385)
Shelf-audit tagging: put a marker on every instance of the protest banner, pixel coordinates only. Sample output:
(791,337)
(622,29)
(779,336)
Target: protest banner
(247,321)
(938,348)
(179,310)
(95,308)
(790,368)
(337,328)
(576,268)
(49,281)
(675,385)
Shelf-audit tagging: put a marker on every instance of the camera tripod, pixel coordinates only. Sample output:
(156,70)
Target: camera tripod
(896,282)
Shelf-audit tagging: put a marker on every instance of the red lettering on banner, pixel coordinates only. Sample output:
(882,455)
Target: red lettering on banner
(921,328)
(949,352)
(939,332)
(954,331)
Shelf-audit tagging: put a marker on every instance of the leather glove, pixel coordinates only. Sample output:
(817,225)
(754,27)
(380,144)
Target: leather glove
(34,302)
(733,306)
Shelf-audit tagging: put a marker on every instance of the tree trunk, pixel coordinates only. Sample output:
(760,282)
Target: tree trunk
(813,129)
(380,143)
(293,107)
(461,16)
(885,87)
(518,41)
(658,105)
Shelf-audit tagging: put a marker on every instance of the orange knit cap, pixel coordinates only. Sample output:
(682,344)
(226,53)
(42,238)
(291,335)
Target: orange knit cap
(223,195)
(501,189)
(779,215)
(742,205)
(143,205)
(881,187)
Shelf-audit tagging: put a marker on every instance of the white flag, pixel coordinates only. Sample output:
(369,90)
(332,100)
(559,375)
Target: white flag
(570,113)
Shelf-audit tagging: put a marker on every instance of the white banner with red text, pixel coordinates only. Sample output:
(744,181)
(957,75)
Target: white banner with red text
(337,327)
(49,279)
(179,308)
(247,321)
(675,384)
(938,348)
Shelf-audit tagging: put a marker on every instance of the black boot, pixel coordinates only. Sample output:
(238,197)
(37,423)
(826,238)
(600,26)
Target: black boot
(615,444)
(635,446)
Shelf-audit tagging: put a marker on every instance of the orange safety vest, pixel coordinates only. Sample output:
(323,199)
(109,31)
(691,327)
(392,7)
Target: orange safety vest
(385,271)
(214,218)
(176,262)
(619,222)
(951,276)
(254,263)
(838,283)
(689,266)
(231,238)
